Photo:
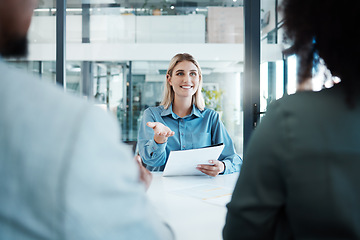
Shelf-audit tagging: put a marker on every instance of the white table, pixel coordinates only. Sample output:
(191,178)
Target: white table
(191,217)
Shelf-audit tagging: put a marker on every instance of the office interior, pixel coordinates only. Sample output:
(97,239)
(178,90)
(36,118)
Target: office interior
(116,53)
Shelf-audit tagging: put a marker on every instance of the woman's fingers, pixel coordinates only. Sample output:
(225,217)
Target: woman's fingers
(151,124)
(208,172)
(161,132)
(160,129)
(170,133)
(212,170)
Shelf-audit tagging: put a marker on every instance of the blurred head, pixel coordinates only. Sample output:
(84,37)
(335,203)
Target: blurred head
(322,29)
(169,93)
(15,18)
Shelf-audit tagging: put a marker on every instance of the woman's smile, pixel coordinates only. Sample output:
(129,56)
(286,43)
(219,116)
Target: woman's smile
(186,87)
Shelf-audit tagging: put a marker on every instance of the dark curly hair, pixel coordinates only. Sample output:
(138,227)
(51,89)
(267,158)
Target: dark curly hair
(325,29)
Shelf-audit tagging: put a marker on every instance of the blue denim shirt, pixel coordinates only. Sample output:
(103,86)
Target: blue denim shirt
(196,130)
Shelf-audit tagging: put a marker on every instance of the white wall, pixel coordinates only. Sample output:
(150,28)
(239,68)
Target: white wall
(123,29)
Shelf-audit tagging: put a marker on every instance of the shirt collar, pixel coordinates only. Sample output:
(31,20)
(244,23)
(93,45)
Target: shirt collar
(195,111)
(168,111)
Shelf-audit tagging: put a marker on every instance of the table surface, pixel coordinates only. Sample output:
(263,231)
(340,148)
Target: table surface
(194,206)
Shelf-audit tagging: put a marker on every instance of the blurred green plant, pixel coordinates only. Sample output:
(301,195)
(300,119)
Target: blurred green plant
(213,99)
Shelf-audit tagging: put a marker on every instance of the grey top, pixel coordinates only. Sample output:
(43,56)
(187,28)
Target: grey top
(300,175)
(63,172)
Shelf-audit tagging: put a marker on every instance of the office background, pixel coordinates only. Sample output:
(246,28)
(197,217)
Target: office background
(116,53)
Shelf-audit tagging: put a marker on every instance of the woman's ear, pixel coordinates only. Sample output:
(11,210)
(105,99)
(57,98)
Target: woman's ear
(168,78)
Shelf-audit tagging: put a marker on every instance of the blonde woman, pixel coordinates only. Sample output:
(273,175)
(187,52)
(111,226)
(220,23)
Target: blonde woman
(182,122)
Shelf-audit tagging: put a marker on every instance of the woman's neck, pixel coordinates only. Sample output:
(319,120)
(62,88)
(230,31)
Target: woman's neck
(182,107)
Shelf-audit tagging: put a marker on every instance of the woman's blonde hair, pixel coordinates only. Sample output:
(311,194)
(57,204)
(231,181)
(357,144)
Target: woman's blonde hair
(198,98)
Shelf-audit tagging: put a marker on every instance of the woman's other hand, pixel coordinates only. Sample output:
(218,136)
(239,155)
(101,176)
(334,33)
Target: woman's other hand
(161,132)
(212,170)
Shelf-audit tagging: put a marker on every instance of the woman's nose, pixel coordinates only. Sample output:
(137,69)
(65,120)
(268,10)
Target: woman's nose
(186,78)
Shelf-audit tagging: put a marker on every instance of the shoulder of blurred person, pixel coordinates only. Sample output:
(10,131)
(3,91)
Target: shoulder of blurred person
(300,165)
(306,143)
(64,173)
(60,160)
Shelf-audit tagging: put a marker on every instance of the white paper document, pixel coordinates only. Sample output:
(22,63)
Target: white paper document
(184,162)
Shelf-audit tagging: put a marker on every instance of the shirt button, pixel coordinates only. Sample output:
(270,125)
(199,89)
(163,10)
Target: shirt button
(183,146)
(182,134)
(181,120)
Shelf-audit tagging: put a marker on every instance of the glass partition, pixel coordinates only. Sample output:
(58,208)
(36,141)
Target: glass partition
(117,53)
(123,50)
(273,81)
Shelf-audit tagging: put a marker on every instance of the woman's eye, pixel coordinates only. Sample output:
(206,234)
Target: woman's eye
(193,74)
(180,74)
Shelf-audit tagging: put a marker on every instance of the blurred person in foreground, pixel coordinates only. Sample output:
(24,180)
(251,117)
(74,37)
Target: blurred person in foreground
(63,172)
(300,178)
